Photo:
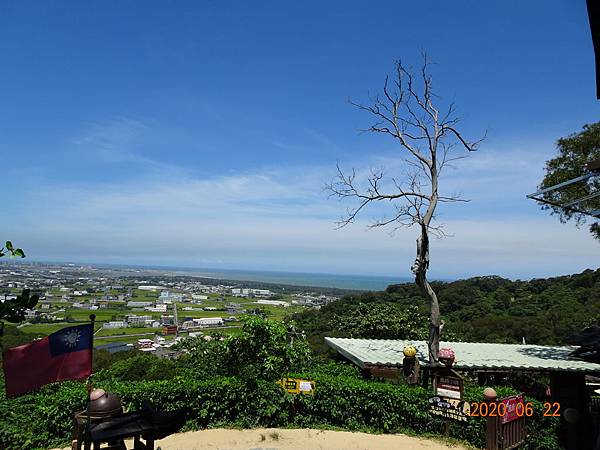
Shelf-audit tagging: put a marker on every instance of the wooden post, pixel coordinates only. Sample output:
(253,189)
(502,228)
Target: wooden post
(1,336)
(491,423)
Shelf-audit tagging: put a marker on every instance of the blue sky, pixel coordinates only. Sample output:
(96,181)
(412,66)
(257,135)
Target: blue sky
(201,133)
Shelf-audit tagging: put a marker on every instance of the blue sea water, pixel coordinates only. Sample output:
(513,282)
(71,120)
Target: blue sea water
(355,282)
(359,282)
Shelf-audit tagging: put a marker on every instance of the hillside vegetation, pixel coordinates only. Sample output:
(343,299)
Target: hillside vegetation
(482,309)
(232,383)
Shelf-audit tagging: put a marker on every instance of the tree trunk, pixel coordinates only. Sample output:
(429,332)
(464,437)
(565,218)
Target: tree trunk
(419,268)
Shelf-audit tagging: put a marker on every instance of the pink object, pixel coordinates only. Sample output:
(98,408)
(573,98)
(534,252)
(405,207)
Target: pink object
(490,394)
(446,353)
(97,393)
(515,408)
(446,356)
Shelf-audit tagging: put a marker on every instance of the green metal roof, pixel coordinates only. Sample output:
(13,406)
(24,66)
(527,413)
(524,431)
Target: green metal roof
(469,355)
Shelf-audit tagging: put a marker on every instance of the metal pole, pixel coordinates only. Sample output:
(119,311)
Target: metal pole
(89,387)
(89,380)
(563,184)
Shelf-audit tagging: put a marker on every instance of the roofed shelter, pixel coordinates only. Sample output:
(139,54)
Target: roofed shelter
(470,356)
(383,358)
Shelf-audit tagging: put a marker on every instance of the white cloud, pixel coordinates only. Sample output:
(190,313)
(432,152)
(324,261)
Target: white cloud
(119,141)
(280,219)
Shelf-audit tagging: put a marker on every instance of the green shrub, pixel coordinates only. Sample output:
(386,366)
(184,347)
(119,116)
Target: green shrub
(45,418)
(263,350)
(336,369)
(103,359)
(139,368)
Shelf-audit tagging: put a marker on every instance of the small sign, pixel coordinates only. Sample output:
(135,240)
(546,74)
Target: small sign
(297,386)
(513,410)
(448,393)
(449,384)
(305,386)
(449,408)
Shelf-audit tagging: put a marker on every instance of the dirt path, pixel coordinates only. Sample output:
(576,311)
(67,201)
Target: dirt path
(285,439)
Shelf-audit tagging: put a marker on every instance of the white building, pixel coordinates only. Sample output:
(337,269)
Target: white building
(208,321)
(243,292)
(138,321)
(272,303)
(138,304)
(151,288)
(187,324)
(199,297)
(260,292)
(145,343)
(168,297)
(115,324)
(157,308)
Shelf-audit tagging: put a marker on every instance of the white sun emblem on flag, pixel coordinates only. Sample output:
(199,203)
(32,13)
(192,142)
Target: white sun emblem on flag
(71,338)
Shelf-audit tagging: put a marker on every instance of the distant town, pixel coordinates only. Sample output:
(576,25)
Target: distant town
(150,310)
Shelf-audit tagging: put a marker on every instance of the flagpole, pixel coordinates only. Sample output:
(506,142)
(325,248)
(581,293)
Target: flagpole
(89,380)
(89,388)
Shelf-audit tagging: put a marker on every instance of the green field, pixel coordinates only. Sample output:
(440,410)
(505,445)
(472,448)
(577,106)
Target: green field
(118,311)
(119,334)
(125,331)
(43,329)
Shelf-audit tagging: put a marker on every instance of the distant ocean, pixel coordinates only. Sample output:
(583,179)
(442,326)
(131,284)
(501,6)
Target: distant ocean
(356,282)
(359,282)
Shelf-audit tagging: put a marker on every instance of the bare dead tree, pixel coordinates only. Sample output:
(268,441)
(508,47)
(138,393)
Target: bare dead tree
(426,137)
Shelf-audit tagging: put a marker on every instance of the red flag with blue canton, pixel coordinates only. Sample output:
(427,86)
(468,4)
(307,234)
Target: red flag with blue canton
(64,355)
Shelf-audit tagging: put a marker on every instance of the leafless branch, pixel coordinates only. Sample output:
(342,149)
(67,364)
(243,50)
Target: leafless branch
(407,112)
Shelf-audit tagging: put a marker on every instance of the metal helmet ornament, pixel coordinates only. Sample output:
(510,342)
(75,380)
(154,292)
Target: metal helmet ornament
(446,356)
(104,404)
(409,351)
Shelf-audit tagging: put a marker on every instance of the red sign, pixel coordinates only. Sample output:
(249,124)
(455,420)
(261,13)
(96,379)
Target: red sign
(513,410)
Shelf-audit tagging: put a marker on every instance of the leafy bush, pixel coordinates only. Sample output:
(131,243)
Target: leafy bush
(370,315)
(44,418)
(139,368)
(482,309)
(263,350)
(334,369)
(103,359)
(230,383)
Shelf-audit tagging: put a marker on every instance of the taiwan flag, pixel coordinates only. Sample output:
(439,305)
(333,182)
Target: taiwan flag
(64,355)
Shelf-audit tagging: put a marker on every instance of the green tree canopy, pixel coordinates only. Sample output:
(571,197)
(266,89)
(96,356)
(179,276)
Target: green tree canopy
(574,152)
(14,310)
(264,349)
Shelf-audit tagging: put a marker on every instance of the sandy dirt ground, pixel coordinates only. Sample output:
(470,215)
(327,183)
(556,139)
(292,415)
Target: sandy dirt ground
(284,439)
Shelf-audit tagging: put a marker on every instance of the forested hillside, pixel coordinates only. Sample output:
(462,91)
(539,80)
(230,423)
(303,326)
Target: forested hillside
(481,309)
